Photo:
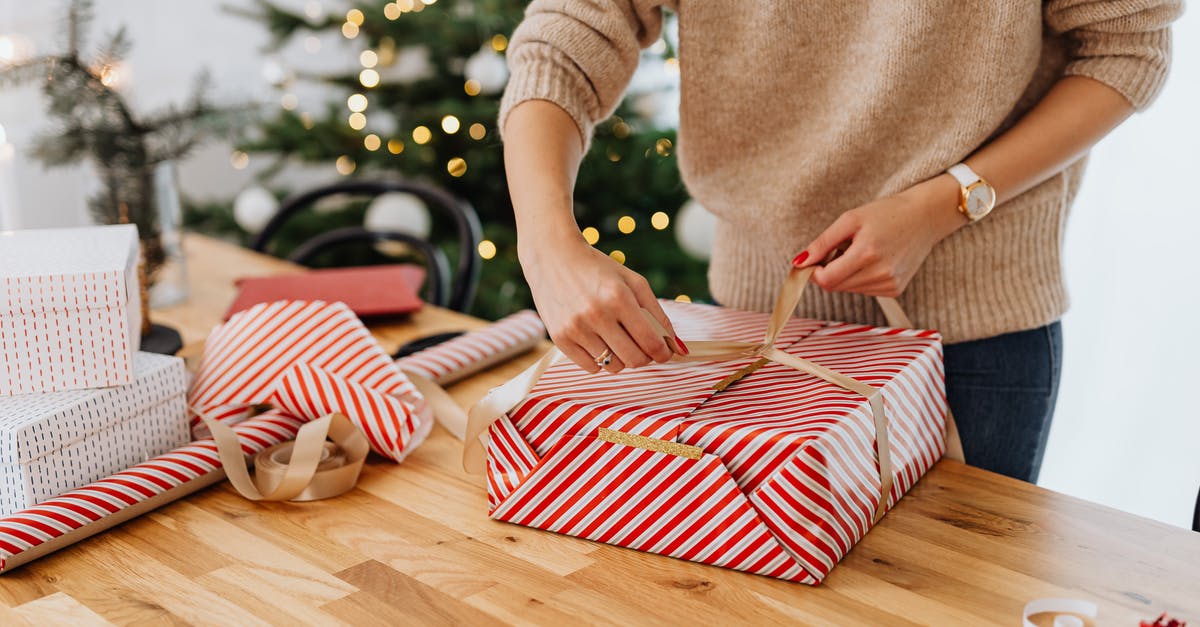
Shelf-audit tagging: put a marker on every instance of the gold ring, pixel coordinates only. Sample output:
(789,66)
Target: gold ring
(605,358)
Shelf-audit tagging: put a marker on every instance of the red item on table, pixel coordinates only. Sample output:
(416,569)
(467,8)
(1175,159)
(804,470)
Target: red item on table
(368,290)
(1163,621)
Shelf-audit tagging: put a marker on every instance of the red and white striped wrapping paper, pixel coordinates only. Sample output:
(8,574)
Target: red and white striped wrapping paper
(471,352)
(70,313)
(788,481)
(307,359)
(86,511)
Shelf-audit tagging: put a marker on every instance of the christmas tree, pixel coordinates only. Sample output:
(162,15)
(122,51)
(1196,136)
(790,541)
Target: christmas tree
(422,104)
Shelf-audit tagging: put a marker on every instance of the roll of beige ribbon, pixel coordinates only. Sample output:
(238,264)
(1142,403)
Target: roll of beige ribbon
(305,469)
(1059,613)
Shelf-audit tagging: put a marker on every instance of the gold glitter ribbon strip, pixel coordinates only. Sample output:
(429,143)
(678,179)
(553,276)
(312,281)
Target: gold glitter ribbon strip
(500,400)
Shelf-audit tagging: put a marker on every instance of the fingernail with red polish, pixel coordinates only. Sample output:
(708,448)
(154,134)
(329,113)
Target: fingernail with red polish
(682,347)
(799,259)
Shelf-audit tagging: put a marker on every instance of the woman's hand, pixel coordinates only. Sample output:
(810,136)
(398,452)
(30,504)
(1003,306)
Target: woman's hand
(590,303)
(888,239)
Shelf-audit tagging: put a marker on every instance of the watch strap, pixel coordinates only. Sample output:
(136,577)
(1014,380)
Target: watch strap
(963,174)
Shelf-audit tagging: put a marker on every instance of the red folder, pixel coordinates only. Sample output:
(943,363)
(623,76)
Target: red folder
(367,290)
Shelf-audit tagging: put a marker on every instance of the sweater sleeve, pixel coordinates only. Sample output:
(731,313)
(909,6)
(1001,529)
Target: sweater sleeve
(579,55)
(1125,44)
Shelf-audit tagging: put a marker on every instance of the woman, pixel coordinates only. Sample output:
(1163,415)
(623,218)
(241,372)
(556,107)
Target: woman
(891,129)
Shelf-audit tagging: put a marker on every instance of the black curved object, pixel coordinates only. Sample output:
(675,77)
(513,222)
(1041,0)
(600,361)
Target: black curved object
(437,268)
(466,222)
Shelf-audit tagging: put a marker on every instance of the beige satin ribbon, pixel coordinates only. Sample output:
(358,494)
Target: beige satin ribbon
(500,400)
(305,469)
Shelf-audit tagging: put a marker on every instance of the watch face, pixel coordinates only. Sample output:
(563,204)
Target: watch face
(980,201)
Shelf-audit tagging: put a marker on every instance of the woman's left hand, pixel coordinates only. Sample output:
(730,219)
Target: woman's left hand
(888,239)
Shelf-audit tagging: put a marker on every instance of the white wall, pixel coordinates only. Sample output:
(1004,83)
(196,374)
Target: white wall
(1128,430)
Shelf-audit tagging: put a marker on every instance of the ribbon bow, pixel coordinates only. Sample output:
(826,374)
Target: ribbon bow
(500,400)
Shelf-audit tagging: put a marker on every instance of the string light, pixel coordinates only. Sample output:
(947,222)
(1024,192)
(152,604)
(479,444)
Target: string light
(613,155)
(372,142)
(621,130)
(659,46)
(395,146)
(239,160)
(417,6)
(357,103)
(422,135)
(313,9)
(357,121)
(450,124)
(683,298)
(626,224)
(660,220)
(350,30)
(289,101)
(499,42)
(456,167)
(591,235)
(391,11)
(111,75)
(306,120)
(312,44)
(472,87)
(671,65)
(663,147)
(345,165)
(368,58)
(355,17)
(428,2)
(487,249)
(477,131)
(369,78)
(618,255)
(405,5)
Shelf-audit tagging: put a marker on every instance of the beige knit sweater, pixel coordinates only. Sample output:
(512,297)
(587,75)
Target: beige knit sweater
(794,112)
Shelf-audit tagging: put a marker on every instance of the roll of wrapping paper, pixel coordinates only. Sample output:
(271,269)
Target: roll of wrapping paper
(478,350)
(96,507)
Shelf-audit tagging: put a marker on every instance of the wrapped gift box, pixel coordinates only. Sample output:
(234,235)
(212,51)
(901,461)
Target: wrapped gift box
(70,314)
(55,442)
(776,474)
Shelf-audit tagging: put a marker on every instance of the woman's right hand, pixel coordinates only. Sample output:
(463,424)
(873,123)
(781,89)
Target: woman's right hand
(590,303)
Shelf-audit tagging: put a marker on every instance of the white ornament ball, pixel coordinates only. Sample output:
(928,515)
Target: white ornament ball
(253,208)
(398,211)
(487,67)
(412,64)
(695,229)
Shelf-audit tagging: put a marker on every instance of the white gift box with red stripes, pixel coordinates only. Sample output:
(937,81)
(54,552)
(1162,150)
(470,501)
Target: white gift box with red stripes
(787,482)
(70,312)
(55,442)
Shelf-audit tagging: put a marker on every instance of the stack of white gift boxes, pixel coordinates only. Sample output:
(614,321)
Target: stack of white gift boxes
(78,401)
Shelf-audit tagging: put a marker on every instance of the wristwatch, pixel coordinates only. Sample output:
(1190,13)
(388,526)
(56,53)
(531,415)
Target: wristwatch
(977,197)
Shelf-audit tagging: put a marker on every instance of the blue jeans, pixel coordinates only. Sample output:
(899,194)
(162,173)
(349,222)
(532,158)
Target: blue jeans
(1002,391)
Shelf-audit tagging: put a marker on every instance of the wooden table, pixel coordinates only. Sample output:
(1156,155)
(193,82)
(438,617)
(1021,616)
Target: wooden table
(412,545)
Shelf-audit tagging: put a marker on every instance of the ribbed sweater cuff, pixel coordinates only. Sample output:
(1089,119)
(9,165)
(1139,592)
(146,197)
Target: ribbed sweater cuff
(1136,69)
(541,73)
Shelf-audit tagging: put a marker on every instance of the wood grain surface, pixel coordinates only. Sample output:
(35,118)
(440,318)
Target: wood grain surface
(412,545)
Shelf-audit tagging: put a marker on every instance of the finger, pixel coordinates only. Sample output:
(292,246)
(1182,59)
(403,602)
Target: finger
(595,346)
(841,230)
(868,286)
(622,345)
(831,277)
(646,300)
(649,339)
(871,276)
(578,354)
